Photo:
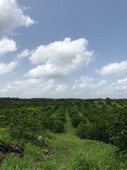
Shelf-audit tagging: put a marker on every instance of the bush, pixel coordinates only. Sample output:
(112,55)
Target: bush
(58,126)
(81,130)
(61,116)
(88,131)
(76,119)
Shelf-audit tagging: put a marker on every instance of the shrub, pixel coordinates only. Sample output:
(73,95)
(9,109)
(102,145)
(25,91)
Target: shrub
(76,119)
(61,116)
(80,131)
(88,131)
(58,126)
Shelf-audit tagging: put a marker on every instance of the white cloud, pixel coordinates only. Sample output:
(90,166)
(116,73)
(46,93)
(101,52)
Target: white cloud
(101,83)
(12,16)
(60,58)
(7,46)
(114,68)
(82,82)
(7,68)
(120,86)
(61,88)
(33,88)
(24,53)
(117,89)
(86,83)
(51,88)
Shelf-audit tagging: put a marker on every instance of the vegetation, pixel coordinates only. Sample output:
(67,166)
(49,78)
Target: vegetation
(63,134)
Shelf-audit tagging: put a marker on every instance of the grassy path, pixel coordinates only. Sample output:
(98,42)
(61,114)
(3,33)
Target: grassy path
(72,153)
(69,130)
(63,144)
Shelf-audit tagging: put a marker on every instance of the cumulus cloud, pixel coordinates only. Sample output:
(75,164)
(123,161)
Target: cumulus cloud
(101,83)
(117,89)
(86,82)
(120,86)
(7,45)
(83,82)
(114,68)
(60,88)
(12,16)
(24,53)
(60,58)
(7,68)
(33,88)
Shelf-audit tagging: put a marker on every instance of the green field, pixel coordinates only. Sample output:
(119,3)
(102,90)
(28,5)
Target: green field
(64,134)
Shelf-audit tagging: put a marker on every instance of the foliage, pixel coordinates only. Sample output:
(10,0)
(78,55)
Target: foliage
(58,126)
(76,119)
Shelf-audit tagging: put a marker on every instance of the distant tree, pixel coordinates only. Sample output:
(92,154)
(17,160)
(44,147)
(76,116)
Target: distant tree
(108,101)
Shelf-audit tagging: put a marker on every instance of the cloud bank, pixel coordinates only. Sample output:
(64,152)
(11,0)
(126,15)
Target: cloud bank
(87,83)
(33,88)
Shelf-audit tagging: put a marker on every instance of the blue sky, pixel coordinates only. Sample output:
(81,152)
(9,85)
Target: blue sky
(63,48)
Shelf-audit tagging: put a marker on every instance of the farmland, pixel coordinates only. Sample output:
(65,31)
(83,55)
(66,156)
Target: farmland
(63,134)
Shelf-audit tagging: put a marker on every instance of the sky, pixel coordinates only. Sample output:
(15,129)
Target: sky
(63,48)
